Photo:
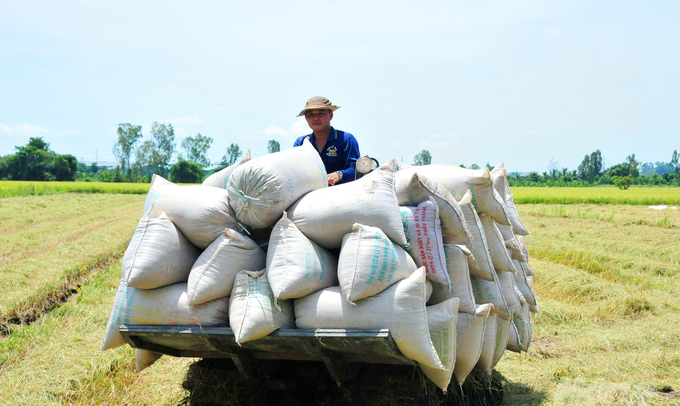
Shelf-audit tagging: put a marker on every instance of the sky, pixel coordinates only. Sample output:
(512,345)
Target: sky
(533,84)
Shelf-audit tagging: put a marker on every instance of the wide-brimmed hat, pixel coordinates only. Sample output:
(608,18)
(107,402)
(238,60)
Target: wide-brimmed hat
(318,103)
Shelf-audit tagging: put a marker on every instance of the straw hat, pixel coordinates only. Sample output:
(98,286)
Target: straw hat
(318,102)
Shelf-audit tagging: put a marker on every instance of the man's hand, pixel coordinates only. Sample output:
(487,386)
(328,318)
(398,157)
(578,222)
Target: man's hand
(333,178)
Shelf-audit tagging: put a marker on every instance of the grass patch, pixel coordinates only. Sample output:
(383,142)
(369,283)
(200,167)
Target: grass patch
(635,195)
(18,188)
(42,237)
(619,214)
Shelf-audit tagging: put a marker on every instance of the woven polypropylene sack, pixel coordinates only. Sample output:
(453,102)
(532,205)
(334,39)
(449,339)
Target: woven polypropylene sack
(221,178)
(481,265)
(158,254)
(501,259)
(459,180)
(469,339)
(253,311)
(370,262)
(200,212)
(424,238)
(441,320)
(326,215)
(416,189)
(212,275)
(166,305)
(296,266)
(400,308)
(490,292)
(457,259)
(485,361)
(262,188)
(523,284)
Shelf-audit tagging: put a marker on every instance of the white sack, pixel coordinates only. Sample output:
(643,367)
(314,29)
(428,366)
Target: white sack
(253,311)
(500,183)
(457,258)
(200,212)
(522,325)
(145,358)
(490,292)
(296,266)
(326,215)
(485,362)
(212,275)
(506,281)
(424,239)
(459,180)
(416,189)
(499,252)
(441,320)
(262,188)
(166,305)
(221,178)
(523,284)
(469,339)
(502,334)
(513,339)
(158,254)
(481,265)
(369,263)
(400,308)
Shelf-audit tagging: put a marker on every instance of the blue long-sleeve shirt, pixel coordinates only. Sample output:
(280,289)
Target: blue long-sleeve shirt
(339,154)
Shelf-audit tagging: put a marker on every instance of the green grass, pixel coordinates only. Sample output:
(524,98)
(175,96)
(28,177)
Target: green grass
(29,188)
(636,195)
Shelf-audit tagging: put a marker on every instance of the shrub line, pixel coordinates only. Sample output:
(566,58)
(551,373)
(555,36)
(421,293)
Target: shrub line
(51,297)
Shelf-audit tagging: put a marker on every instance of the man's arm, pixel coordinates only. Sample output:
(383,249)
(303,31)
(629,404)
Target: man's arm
(350,155)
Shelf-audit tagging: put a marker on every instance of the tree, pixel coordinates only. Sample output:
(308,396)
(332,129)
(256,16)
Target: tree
(64,167)
(619,170)
(422,158)
(591,166)
(674,163)
(186,172)
(164,146)
(623,182)
(128,136)
(144,158)
(32,161)
(233,153)
(273,146)
(196,149)
(633,166)
(474,166)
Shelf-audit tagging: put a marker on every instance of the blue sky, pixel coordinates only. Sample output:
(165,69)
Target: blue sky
(529,83)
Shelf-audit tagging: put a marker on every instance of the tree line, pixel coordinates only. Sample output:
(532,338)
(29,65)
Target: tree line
(591,172)
(138,159)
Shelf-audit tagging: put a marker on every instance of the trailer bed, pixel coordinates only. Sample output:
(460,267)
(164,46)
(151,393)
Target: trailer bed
(336,348)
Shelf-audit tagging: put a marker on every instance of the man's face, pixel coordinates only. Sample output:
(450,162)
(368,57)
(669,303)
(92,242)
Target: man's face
(319,120)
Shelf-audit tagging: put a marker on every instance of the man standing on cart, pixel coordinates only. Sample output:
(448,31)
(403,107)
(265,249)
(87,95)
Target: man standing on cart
(339,150)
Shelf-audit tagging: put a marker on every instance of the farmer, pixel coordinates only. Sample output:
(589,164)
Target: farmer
(339,150)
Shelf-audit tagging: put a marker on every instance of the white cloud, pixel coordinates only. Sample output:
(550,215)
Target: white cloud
(532,132)
(397,144)
(185,120)
(214,109)
(436,136)
(555,31)
(300,128)
(22,129)
(275,131)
